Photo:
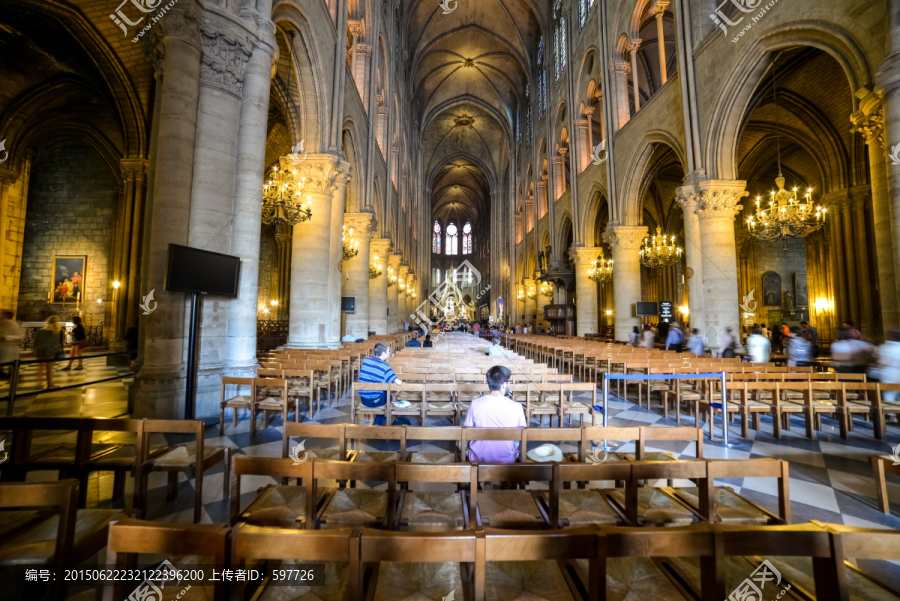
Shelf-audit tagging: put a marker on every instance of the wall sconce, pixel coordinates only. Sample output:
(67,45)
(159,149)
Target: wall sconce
(99,300)
(684,310)
(274,303)
(823,304)
(608,312)
(116,284)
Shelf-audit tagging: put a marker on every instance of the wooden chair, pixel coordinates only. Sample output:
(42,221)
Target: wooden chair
(115,454)
(29,451)
(338,550)
(525,565)
(440,398)
(301,383)
(279,505)
(353,432)
(412,393)
(568,404)
(470,435)
(184,545)
(583,506)
(570,435)
(272,396)
(882,464)
(334,432)
(191,458)
(358,408)
(431,510)
(437,433)
(239,401)
(511,508)
(355,507)
(657,506)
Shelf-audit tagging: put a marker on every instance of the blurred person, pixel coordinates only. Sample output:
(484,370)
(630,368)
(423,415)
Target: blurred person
(476,329)
(852,331)
(695,342)
(495,410)
(10,336)
(375,370)
(813,337)
(348,337)
(635,336)
(428,343)
(785,330)
(48,345)
(798,349)
(851,355)
(495,349)
(662,329)
(728,344)
(758,346)
(675,339)
(889,368)
(648,340)
(79,338)
(763,330)
(777,342)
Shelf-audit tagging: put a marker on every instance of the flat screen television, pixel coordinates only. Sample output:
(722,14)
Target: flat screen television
(348,304)
(202,272)
(646,310)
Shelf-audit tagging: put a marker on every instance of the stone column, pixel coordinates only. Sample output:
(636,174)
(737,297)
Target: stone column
(282,275)
(529,303)
(888,89)
(159,385)
(356,273)
(658,10)
(689,201)
(378,288)
(588,112)
(402,313)
(718,206)
(582,127)
(360,74)
(393,317)
(542,197)
(312,312)
(356,30)
(633,46)
(586,290)
(559,178)
(871,125)
(625,241)
(247,223)
(621,113)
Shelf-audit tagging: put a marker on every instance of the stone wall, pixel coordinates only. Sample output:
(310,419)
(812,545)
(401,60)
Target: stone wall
(266,271)
(70,211)
(771,257)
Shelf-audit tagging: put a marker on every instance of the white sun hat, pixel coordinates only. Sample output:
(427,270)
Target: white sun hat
(546,453)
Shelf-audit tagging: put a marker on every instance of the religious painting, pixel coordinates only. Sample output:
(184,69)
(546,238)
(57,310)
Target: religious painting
(801,290)
(68,279)
(771,284)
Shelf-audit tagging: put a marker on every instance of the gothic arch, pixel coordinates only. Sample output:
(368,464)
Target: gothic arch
(636,172)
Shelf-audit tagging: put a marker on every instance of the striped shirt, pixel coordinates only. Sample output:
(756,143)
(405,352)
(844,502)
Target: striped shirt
(374,371)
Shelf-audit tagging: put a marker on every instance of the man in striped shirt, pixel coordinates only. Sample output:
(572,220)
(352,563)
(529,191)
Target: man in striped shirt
(374,370)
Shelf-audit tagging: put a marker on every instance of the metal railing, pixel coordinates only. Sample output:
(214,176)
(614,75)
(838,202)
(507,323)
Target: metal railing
(18,364)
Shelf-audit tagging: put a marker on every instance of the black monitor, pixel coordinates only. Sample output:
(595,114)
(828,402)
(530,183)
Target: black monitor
(348,304)
(646,310)
(202,272)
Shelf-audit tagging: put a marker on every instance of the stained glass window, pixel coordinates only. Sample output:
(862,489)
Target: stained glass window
(467,239)
(559,40)
(582,13)
(542,81)
(452,239)
(436,238)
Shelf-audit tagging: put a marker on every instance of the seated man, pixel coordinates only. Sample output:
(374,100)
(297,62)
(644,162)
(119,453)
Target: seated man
(414,343)
(349,337)
(495,349)
(428,343)
(374,370)
(495,410)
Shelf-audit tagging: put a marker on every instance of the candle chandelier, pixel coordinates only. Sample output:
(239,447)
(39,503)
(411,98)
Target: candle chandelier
(547,289)
(787,215)
(532,292)
(351,246)
(602,269)
(659,251)
(521,295)
(283,198)
(375,268)
(392,277)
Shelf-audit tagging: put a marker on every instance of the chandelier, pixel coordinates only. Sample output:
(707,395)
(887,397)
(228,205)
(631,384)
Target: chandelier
(787,216)
(532,292)
(351,246)
(659,251)
(283,199)
(392,278)
(401,286)
(521,295)
(547,289)
(375,268)
(602,269)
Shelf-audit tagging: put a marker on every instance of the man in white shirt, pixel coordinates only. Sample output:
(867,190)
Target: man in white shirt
(349,337)
(758,346)
(851,356)
(495,349)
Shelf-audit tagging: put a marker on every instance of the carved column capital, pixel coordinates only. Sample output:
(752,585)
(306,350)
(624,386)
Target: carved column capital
(356,28)
(134,168)
(658,8)
(324,173)
(223,61)
(383,247)
(584,255)
(182,23)
(625,237)
(620,67)
(363,224)
(870,125)
(383,110)
(393,260)
(713,198)
(633,45)
(582,123)
(588,111)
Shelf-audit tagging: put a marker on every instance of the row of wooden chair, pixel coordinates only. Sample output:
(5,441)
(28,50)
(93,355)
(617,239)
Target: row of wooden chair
(708,562)
(121,446)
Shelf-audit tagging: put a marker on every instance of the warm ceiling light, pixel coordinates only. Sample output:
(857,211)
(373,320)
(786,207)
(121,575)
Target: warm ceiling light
(116,284)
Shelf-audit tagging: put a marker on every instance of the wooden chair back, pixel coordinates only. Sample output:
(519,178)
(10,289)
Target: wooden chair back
(351,471)
(245,465)
(306,431)
(61,495)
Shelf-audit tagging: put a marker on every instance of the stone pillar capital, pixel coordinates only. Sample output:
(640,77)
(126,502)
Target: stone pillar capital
(625,237)
(134,168)
(394,262)
(658,8)
(581,123)
(633,45)
(836,200)
(687,199)
(870,125)
(619,67)
(403,272)
(224,57)
(584,255)
(356,28)
(717,199)
(323,173)
(382,247)
(362,224)
(588,111)
(383,110)
(556,160)
(542,184)
(363,49)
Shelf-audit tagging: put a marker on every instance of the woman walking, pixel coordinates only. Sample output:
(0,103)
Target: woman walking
(80,341)
(48,345)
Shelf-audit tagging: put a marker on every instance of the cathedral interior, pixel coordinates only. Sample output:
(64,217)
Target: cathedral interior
(228,209)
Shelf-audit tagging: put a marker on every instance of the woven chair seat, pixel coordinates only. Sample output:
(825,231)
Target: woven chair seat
(580,507)
(658,387)
(801,403)
(509,509)
(691,396)
(280,505)
(52,453)
(356,507)
(121,455)
(531,580)
(185,455)
(735,571)
(433,508)
(378,456)
(270,403)
(544,406)
(448,406)
(653,456)
(238,401)
(417,581)
(731,508)
(657,508)
(432,457)
(330,584)
(327,454)
(360,408)
(37,543)
(633,578)
(298,391)
(577,406)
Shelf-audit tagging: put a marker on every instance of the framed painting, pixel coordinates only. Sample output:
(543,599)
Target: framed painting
(68,278)
(801,290)
(771,284)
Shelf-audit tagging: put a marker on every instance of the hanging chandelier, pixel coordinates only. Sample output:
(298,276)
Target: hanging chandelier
(787,216)
(532,292)
(375,268)
(547,289)
(521,295)
(602,269)
(392,277)
(283,198)
(659,251)
(351,246)
(401,286)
